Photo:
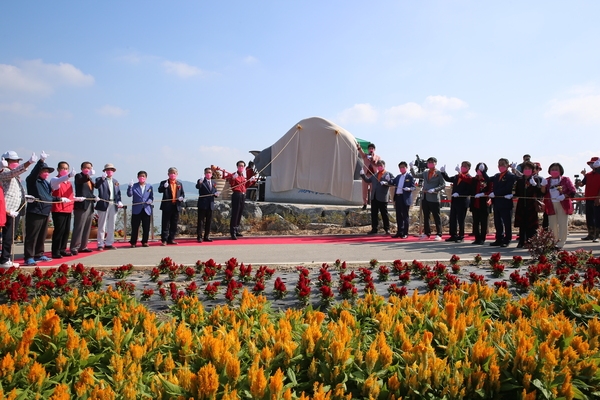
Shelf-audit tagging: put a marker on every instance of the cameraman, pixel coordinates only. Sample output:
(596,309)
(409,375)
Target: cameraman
(433,183)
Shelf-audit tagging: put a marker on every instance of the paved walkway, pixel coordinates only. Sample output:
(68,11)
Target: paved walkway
(292,250)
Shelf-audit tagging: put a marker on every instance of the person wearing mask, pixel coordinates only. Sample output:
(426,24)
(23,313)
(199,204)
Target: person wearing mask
(527,190)
(501,194)
(61,212)
(171,206)
(83,211)
(591,181)
(239,184)
(559,192)
(461,189)
(370,160)
(141,209)
(380,188)
(480,204)
(14,202)
(405,185)
(109,195)
(433,184)
(206,204)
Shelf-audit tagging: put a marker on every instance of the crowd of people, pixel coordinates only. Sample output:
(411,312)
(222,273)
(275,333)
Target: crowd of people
(87,197)
(524,184)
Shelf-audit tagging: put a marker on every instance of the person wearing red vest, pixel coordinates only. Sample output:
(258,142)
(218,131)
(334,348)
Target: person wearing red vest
(61,212)
(239,184)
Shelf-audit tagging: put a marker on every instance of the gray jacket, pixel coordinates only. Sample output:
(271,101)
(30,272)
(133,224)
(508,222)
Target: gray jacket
(380,191)
(436,183)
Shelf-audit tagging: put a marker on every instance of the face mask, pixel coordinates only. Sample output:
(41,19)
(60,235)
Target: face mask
(379,168)
(85,171)
(403,170)
(172,176)
(208,175)
(141,179)
(464,170)
(13,165)
(240,169)
(44,175)
(555,174)
(109,173)
(502,169)
(62,172)
(430,165)
(527,172)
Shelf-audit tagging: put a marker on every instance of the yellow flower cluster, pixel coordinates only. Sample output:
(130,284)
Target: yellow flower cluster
(470,342)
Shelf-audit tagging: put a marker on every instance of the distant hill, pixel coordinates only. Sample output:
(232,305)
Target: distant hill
(188,187)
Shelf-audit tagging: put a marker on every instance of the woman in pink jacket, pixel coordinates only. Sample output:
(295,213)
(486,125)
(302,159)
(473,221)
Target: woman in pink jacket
(558,201)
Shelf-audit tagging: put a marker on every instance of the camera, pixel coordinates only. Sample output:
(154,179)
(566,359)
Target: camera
(420,164)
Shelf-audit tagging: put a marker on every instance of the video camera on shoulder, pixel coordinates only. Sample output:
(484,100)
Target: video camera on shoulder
(420,164)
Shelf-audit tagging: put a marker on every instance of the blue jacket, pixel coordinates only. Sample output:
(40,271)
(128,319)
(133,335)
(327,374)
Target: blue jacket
(206,201)
(40,189)
(103,193)
(405,196)
(139,199)
(501,187)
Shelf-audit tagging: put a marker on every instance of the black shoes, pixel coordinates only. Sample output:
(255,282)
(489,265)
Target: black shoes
(372,232)
(496,243)
(207,239)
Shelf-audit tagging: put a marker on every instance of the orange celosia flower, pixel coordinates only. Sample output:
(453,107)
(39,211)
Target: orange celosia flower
(232,367)
(37,374)
(51,324)
(61,361)
(61,392)
(276,384)
(257,380)
(371,387)
(86,379)
(7,367)
(208,381)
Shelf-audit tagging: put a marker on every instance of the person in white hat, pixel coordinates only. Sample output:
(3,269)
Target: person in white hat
(14,198)
(109,194)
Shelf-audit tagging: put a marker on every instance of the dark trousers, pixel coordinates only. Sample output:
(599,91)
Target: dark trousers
(431,207)
(82,224)
(480,223)
(62,229)
(170,218)
(525,234)
(204,222)
(376,208)
(458,213)
(8,237)
(590,219)
(36,228)
(137,219)
(502,223)
(402,214)
(238,200)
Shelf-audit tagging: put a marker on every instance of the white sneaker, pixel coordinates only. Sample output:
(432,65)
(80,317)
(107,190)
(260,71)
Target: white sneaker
(9,264)
(437,238)
(423,237)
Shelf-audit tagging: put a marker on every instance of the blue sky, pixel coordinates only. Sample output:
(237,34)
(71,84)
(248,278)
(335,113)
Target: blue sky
(149,85)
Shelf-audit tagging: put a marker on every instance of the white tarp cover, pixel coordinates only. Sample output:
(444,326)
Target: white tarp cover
(316,155)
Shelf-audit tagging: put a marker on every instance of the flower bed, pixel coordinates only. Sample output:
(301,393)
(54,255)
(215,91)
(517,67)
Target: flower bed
(465,340)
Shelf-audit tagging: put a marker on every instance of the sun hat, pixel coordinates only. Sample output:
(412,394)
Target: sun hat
(109,166)
(11,155)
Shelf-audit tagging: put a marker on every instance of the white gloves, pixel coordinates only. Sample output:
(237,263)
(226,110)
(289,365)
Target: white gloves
(72,173)
(532,182)
(513,165)
(457,169)
(383,183)
(491,195)
(14,214)
(362,172)
(431,191)
(29,198)
(478,195)
(166,184)
(43,155)
(201,180)
(217,194)
(104,175)
(33,158)
(92,172)
(79,199)
(148,201)
(235,175)
(180,199)
(411,164)
(4,163)
(596,164)
(481,167)
(131,182)
(443,169)
(65,200)
(508,196)
(96,198)
(454,194)
(407,189)
(561,197)
(544,182)
(120,205)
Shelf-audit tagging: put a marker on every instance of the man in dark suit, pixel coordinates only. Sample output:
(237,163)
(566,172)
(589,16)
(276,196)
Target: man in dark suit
(109,195)
(380,182)
(501,195)
(405,184)
(141,209)
(171,205)
(83,212)
(206,204)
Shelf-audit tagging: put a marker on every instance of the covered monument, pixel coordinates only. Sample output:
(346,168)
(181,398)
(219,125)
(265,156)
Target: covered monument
(316,161)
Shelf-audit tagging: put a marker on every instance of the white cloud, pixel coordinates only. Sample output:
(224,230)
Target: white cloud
(435,109)
(359,113)
(182,70)
(582,109)
(112,111)
(34,76)
(250,60)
